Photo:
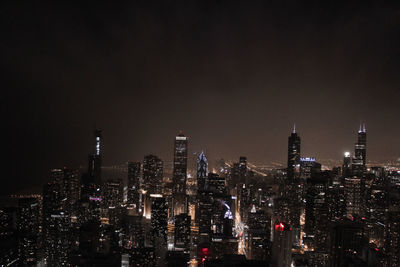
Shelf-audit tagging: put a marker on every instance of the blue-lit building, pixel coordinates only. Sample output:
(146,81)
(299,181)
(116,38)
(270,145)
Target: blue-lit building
(202,171)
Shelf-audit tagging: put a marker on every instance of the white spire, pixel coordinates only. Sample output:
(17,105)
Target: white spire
(253,209)
(362,129)
(294,128)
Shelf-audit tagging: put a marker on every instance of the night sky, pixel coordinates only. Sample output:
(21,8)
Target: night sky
(233,77)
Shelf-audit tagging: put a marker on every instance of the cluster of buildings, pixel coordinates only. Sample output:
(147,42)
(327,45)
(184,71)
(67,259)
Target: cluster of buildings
(235,215)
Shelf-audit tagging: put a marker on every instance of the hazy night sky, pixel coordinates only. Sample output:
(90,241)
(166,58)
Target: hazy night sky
(232,76)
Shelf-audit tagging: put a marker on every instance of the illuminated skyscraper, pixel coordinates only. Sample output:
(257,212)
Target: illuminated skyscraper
(134,231)
(94,168)
(317,211)
(243,165)
(360,152)
(238,172)
(182,232)
(112,200)
(308,167)
(72,188)
(159,223)
(205,208)
(202,171)
(180,204)
(346,168)
(258,235)
(293,165)
(133,183)
(57,176)
(9,236)
(347,242)
(293,195)
(393,235)
(152,174)
(180,164)
(242,169)
(55,227)
(28,228)
(216,184)
(282,245)
(377,211)
(352,189)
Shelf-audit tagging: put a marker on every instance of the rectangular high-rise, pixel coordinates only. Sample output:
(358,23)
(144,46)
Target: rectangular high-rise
(180,175)
(293,164)
(152,174)
(180,164)
(182,232)
(28,228)
(352,190)
(360,153)
(95,159)
(282,245)
(55,227)
(133,184)
(159,224)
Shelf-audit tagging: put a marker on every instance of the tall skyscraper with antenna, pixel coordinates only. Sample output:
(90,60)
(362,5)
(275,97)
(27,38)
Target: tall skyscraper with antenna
(94,168)
(293,165)
(360,152)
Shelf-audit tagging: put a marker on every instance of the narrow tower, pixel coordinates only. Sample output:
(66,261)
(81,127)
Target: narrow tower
(153,173)
(180,163)
(202,170)
(94,168)
(293,165)
(346,167)
(360,152)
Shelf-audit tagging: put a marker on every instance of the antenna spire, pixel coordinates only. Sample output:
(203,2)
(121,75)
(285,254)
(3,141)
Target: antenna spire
(362,129)
(294,128)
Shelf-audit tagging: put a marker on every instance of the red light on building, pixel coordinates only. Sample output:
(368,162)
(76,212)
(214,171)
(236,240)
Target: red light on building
(282,227)
(279,227)
(205,251)
(204,254)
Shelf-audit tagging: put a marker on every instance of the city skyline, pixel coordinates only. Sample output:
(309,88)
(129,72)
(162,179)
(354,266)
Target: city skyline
(300,214)
(200,133)
(94,151)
